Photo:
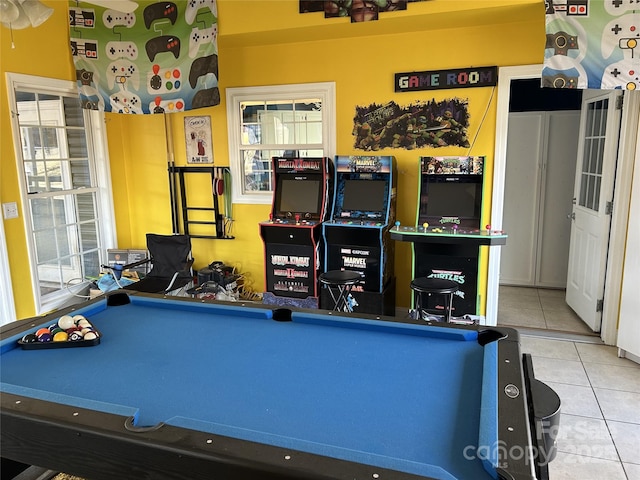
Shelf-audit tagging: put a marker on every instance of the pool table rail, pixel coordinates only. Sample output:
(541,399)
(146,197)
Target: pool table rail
(98,446)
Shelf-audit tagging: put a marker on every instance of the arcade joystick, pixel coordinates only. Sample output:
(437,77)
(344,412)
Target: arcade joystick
(455,229)
(425,225)
(488,227)
(297,219)
(397,224)
(271,217)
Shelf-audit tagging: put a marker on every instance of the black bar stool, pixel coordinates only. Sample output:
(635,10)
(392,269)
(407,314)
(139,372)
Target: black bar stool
(433,286)
(339,283)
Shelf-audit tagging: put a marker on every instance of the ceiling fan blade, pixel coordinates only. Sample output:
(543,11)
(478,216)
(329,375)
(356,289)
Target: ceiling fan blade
(37,12)
(8,11)
(126,6)
(19,22)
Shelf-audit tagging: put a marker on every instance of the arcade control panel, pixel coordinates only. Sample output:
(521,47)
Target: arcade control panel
(450,235)
(297,220)
(356,223)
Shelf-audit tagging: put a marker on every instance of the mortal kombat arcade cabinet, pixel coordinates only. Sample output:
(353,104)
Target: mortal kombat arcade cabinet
(293,235)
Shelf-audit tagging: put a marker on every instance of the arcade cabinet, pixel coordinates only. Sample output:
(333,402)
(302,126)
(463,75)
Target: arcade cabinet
(448,236)
(356,237)
(293,237)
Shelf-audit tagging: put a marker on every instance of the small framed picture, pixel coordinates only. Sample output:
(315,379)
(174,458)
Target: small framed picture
(197,132)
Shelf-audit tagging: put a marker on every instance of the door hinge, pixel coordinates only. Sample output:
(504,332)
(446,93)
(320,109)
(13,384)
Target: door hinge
(608,209)
(599,305)
(619,102)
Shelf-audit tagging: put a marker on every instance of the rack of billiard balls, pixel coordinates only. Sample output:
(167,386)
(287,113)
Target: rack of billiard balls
(68,331)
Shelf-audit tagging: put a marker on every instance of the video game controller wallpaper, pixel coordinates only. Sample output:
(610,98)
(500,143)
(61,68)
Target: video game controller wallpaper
(592,44)
(160,58)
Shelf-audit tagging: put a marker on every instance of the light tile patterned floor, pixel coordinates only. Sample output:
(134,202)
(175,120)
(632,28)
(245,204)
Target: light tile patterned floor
(600,393)
(599,434)
(537,308)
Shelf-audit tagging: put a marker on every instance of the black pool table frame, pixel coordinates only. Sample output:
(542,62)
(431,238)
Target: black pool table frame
(98,446)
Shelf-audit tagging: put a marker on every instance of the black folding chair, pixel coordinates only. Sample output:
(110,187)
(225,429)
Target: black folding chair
(172,265)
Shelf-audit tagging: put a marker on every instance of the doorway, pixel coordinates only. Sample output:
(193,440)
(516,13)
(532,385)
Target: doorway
(542,147)
(619,217)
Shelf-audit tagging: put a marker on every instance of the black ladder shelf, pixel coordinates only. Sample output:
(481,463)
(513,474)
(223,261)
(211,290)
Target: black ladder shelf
(180,210)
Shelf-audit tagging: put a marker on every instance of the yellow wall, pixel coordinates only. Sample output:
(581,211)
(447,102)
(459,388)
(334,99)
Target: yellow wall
(363,69)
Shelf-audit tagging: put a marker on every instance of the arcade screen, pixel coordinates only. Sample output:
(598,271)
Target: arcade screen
(453,199)
(298,196)
(364,195)
(456,196)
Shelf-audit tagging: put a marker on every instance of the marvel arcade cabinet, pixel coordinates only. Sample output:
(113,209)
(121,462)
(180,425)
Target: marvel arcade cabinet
(293,237)
(357,235)
(447,238)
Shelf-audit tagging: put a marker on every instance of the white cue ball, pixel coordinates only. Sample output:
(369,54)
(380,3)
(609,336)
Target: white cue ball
(65,322)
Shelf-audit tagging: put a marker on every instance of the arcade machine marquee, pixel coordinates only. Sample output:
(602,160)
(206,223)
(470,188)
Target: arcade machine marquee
(292,236)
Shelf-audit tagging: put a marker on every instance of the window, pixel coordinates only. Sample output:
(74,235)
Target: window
(594,143)
(64,179)
(265,122)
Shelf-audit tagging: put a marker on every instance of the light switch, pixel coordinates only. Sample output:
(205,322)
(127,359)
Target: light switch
(10,210)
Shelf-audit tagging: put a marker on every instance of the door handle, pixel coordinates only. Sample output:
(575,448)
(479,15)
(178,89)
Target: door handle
(571,216)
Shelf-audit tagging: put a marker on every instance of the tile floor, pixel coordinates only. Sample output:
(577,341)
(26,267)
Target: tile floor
(599,436)
(537,308)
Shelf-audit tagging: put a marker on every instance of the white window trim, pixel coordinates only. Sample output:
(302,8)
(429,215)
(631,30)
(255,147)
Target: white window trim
(326,91)
(94,120)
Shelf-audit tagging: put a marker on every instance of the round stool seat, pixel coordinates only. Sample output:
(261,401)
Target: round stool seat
(339,283)
(340,277)
(434,285)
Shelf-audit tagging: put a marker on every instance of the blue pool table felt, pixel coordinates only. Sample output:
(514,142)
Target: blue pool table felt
(398,396)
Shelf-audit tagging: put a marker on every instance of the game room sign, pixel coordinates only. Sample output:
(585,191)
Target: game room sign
(443,79)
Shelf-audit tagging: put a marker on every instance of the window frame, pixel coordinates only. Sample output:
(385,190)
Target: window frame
(96,139)
(326,91)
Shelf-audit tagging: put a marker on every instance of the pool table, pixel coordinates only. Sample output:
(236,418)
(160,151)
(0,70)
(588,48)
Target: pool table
(178,388)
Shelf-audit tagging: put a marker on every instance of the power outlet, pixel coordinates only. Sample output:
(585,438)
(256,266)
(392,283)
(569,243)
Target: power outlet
(10,210)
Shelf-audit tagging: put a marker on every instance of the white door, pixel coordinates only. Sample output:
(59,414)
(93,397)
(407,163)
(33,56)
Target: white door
(521,189)
(541,149)
(593,195)
(629,327)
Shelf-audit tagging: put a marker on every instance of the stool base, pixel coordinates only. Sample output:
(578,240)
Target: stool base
(371,303)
